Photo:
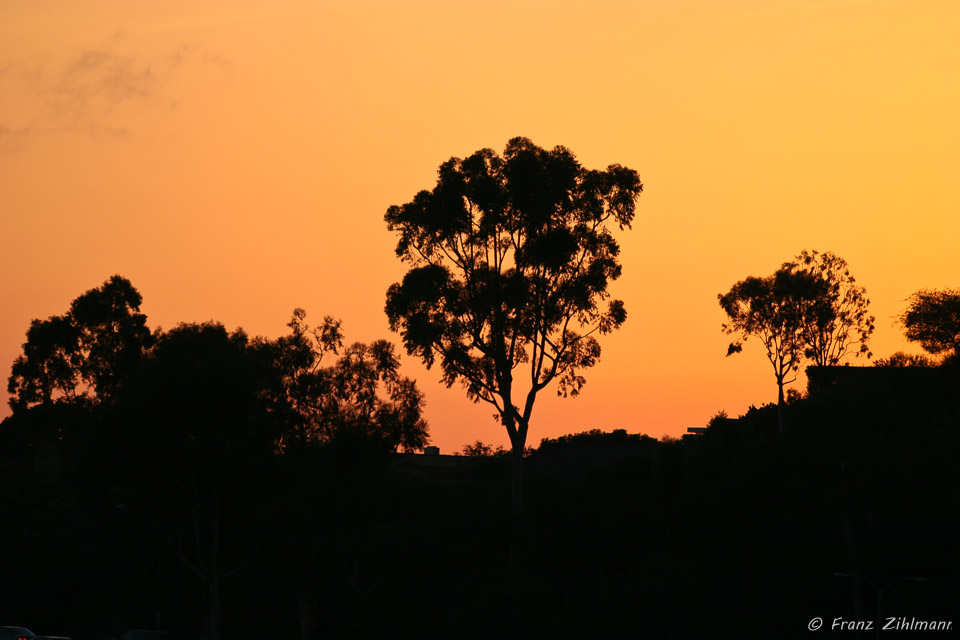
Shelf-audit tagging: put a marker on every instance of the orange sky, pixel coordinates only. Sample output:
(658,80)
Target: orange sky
(234,160)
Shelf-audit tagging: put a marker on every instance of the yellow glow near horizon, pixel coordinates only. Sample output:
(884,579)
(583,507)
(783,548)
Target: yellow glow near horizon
(234,160)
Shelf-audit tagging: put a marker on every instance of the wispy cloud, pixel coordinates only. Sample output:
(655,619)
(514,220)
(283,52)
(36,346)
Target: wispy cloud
(87,92)
(94,84)
(13,139)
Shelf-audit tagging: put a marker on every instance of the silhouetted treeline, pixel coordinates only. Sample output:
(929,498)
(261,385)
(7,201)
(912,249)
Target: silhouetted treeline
(739,529)
(238,487)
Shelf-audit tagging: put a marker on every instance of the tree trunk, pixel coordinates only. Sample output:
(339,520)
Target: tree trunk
(516,531)
(781,407)
(517,480)
(215,607)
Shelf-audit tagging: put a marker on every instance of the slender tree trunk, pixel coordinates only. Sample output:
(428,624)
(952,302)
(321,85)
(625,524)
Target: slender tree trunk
(215,608)
(781,406)
(517,434)
(515,576)
(516,473)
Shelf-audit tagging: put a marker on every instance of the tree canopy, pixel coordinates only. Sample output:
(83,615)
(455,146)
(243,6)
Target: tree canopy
(839,323)
(776,310)
(811,307)
(85,354)
(511,257)
(932,318)
(191,437)
(360,394)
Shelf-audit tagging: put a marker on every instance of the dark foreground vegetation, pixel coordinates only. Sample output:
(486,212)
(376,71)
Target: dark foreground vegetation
(737,532)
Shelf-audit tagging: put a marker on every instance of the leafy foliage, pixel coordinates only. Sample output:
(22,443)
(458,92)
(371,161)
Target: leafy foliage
(191,437)
(618,439)
(198,389)
(360,394)
(902,359)
(810,307)
(481,449)
(840,322)
(85,354)
(777,310)
(510,261)
(933,319)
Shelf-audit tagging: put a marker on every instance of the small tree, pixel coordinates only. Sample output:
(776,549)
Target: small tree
(933,319)
(510,261)
(840,322)
(777,310)
(359,395)
(323,394)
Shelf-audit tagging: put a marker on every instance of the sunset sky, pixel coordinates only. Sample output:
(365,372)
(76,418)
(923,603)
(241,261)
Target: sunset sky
(235,159)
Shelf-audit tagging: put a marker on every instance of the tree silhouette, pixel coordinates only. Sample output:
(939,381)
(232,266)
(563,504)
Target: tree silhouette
(777,310)
(933,319)
(902,359)
(510,260)
(481,449)
(841,323)
(359,395)
(340,411)
(191,431)
(85,354)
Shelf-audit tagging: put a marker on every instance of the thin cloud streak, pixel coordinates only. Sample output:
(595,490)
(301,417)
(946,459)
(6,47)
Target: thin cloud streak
(88,93)
(13,139)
